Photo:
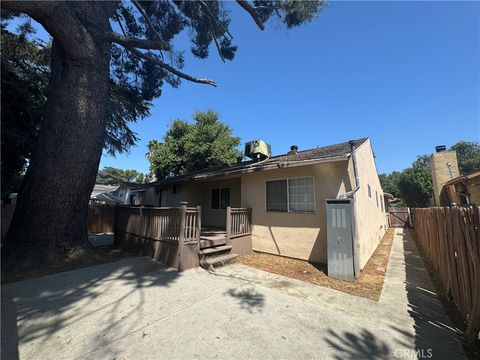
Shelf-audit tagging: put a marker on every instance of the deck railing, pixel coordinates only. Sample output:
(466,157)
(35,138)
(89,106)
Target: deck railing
(239,222)
(177,226)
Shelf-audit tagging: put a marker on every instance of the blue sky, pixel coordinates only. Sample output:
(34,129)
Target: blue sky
(405,74)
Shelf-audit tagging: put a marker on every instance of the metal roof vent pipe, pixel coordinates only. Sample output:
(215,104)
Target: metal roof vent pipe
(293,150)
(440,148)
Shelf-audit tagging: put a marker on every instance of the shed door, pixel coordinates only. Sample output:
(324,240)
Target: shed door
(340,241)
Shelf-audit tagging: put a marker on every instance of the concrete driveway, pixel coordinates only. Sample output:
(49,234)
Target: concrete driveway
(136,309)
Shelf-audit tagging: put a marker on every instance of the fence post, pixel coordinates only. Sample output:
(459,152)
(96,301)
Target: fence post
(199,226)
(228,226)
(181,235)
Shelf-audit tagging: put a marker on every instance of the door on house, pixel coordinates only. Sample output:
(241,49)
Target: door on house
(162,200)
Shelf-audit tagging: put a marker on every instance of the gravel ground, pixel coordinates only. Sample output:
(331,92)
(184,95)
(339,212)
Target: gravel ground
(369,285)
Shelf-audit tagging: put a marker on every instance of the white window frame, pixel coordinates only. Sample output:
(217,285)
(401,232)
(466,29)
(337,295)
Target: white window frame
(288,196)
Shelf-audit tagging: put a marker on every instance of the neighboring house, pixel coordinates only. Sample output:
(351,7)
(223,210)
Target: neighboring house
(287,195)
(132,193)
(104,194)
(449,187)
(464,189)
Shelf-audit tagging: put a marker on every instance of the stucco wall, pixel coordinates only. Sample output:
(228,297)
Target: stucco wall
(200,193)
(371,220)
(299,235)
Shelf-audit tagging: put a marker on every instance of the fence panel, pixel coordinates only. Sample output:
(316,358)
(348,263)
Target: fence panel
(450,238)
(399,217)
(7,214)
(100,218)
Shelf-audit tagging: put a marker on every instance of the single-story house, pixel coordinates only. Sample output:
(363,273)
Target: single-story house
(287,195)
(132,193)
(104,194)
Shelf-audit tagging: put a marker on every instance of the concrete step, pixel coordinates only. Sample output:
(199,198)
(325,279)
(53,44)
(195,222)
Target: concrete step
(215,249)
(208,243)
(210,261)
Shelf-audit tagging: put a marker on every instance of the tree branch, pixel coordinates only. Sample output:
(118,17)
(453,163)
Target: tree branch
(253,13)
(119,21)
(212,30)
(149,22)
(220,27)
(169,68)
(59,21)
(134,42)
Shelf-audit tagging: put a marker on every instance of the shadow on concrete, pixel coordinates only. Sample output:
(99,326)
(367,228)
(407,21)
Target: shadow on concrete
(38,309)
(249,299)
(432,327)
(351,346)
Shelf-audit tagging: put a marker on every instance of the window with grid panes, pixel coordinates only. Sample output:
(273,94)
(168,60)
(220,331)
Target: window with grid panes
(291,195)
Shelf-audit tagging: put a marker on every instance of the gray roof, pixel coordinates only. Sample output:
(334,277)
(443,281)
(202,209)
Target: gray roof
(106,197)
(334,152)
(98,188)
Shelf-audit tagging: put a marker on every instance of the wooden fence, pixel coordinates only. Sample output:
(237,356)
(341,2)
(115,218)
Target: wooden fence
(7,214)
(170,235)
(451,239)
(399,217)
(100,218)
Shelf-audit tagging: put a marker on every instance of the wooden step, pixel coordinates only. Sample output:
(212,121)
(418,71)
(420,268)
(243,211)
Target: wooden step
(219,259)
(208,243)
(213,250)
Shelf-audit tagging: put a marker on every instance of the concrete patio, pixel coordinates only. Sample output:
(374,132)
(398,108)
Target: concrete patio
(137,309)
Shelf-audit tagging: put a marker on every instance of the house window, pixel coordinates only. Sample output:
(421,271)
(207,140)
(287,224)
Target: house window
(381,204)
(369,191)
(376,197)
(291,195)
(277,198)
(220,198)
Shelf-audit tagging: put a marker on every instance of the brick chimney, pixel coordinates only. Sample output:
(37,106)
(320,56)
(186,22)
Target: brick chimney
(444,167)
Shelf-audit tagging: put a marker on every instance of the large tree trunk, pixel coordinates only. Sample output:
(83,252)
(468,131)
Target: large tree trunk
(51,212)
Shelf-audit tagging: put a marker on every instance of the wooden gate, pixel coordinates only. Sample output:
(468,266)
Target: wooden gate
(399,217)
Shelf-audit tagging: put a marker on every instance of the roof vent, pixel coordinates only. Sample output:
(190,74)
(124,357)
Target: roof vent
(440,148)
(293,150)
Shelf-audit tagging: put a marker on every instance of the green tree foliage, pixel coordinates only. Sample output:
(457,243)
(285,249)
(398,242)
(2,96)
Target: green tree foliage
(390,183)
(415,186)
(24,66)
(188,147)
(468,156)
(114,176)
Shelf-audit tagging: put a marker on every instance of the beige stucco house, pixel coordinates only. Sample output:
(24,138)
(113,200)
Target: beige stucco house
(287,195)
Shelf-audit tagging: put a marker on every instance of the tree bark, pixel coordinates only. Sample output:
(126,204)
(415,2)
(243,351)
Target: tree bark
(52,206)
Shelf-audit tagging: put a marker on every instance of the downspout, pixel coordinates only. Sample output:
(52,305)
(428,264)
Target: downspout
(355,166)
(355,173)
(355,228)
